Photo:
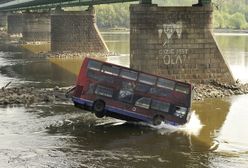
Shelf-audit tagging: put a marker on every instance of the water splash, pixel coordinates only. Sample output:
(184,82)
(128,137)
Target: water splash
(193,127)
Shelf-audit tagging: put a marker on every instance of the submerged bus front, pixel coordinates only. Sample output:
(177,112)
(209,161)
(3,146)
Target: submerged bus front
(124,93)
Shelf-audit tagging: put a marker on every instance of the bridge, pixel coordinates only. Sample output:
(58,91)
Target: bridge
(175,42)
(17,5)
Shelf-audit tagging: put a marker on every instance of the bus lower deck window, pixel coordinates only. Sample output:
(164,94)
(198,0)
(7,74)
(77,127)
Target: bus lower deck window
(160,106)
(143,102)
(180,111)
(125,95)
(104,91)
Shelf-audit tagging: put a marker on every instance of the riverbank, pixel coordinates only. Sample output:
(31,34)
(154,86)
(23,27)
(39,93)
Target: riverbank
(218,90)
(230,31)
(31,95)
(69,54)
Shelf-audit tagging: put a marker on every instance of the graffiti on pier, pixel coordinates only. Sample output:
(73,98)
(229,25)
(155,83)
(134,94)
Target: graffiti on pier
(170,52)
(173,56)
(166,31)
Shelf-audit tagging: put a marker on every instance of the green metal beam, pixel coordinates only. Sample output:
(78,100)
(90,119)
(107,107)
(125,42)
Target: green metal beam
(46,4)
(206,1)
(17,5)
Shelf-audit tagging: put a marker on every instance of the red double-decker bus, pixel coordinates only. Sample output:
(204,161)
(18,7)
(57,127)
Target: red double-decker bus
(124,93)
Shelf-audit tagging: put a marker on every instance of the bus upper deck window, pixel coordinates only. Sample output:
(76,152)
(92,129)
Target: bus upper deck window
(94,65)
(112,70)
(165,83)
(128,74)
(182,88)
(147,79)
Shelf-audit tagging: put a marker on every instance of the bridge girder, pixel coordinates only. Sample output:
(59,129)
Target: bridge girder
(17,5)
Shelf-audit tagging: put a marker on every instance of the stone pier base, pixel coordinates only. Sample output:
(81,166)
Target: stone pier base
(15,24)
(76,31)
(36,27)
(176,42)
(3,19)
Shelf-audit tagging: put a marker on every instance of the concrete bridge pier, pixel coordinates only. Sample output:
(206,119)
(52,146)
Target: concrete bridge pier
(3,19)
(36,27)
(15,23)
(76,31)
(176,42)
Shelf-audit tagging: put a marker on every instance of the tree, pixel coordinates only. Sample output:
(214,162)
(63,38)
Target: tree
(237,21)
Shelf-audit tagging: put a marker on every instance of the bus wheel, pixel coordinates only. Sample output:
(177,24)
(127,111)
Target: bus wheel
(157,120)
(98,108)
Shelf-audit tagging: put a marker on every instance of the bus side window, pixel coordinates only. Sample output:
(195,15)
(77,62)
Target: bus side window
(125,95)
(159,91)
(182,88)
(128,74)
(165,83)
(160,106)
(128,85)
(92,74)
(99,77)
(147,79)
(112,70)
(142,88)
(94,65)
(143,102)
(180,111)
(104,91)
(91,88)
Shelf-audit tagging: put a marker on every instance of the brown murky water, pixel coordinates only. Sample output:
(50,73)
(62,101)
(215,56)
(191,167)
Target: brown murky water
(59,135)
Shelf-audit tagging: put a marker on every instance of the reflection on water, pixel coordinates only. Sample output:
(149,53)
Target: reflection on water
(233,133)
(62,136)
(212,114)
(117,42)
(71,65)
(235,48)
(37,48)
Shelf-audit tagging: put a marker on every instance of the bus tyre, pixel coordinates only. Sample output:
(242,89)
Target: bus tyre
(98,108)
(157,120)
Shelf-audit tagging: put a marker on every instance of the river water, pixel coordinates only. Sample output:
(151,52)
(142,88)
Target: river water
(59,135)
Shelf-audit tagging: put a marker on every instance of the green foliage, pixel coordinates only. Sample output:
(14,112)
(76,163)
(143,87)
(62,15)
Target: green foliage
(237,21)
(113,16)
(229,14)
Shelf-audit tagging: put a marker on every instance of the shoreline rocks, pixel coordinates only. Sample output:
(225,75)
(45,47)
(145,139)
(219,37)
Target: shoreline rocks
(31,95)
(70,54)
(216,89)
